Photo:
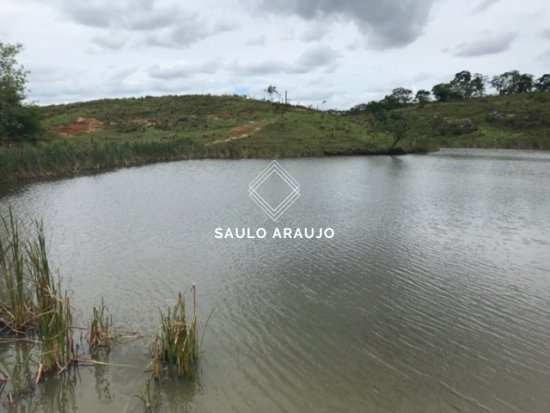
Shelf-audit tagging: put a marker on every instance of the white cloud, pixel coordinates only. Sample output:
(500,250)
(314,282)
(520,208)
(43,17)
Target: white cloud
(344,51)
(485,45)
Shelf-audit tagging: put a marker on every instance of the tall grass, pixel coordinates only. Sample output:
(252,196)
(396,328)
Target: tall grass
(63,158)
(16,304)
(31,301)
(175,345)
(100,329)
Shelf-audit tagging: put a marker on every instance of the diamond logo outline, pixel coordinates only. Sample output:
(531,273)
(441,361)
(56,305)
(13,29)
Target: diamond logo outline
(274,168)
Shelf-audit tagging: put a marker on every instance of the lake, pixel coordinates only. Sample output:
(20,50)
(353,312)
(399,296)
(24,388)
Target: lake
(433,295)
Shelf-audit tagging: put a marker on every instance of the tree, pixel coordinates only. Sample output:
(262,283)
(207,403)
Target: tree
(422,97)
(477,85)
(524,83)
(18,122)
(461,86)
(512,82)
(272,90)
(398,125)
(543,83)
(442,92)
(399,96)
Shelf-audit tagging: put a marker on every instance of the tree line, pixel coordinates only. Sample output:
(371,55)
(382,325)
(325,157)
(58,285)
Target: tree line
(463,86)
(18,121)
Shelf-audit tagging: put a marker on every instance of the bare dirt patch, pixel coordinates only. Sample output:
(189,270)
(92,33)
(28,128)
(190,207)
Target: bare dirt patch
(240,132)
(82,126)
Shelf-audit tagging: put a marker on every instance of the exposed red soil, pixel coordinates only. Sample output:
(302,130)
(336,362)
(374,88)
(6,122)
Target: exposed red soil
(82,126)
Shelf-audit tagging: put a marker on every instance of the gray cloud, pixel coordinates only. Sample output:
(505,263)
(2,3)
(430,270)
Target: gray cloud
(139,15)
(485,45)
(546,33)
(156,24)
(120,75)
(318,56)
(310,60)
(314,33)
(183,70)
(110,42)
(189,31)
(256,41)
(176,37)
(484,5)
(386,24)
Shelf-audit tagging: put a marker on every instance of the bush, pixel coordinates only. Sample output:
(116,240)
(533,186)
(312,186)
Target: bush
(20,124)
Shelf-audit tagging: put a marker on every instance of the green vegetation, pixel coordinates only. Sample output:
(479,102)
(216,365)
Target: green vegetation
(463,116)
(94,136)
(175,345)
(100,329)
(37,320)
(103,134)
(520,121)
(18,122)
(30,300)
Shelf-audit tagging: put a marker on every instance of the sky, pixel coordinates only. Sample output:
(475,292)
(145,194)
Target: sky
(341,52)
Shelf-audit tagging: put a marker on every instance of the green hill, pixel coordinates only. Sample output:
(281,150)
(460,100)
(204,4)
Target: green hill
(520,121)
(111,133)
(253,128)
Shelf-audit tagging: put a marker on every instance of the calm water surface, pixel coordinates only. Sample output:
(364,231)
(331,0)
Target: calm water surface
(433,296)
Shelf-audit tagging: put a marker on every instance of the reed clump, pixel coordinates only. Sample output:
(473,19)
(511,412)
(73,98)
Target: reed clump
(101,329)
(175,345)
(16,296)
(30,299)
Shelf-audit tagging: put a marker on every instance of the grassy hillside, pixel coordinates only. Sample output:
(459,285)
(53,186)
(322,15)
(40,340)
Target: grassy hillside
(98,135)
(512,122)
(111,133)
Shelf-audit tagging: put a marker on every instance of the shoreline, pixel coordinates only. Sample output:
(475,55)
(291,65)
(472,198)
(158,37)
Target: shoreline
(31,174)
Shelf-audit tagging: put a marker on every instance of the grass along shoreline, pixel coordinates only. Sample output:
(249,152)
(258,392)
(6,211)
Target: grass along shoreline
(89,137)
(99,135)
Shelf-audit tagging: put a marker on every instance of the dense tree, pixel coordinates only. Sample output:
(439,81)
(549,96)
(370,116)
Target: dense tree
(543,83)
(512,82)
(399,96)
(461,85)
(524,84)
(465,85)
(18,122)
(442,92)
(477,85)
(422,97)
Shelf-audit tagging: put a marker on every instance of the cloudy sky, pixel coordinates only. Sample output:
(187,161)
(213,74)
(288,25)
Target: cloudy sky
(342,51)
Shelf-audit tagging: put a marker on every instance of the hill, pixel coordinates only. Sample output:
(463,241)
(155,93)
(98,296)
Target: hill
(97,135)
(103,134)
(519,121)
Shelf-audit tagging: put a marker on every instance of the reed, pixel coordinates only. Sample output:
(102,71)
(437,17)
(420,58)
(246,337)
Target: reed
(32,302)
(16,304)
(53,310)
(100,329)
(149,401)
(175,344)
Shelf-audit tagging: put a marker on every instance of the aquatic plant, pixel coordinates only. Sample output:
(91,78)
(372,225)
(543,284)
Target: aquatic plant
(53,311)
(149,401)
(16,304)
(32,302)
(100,329)
(175,344)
